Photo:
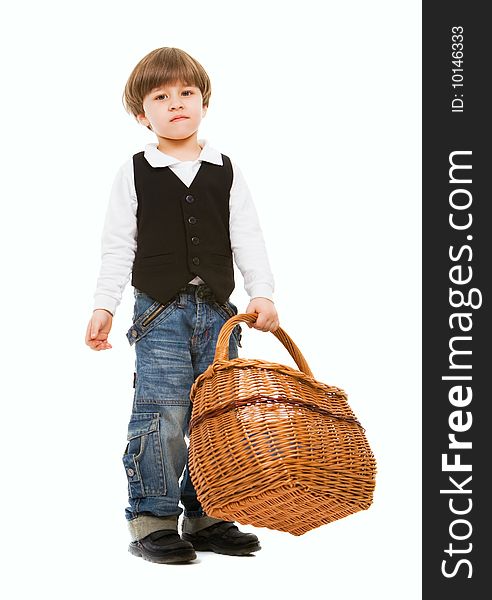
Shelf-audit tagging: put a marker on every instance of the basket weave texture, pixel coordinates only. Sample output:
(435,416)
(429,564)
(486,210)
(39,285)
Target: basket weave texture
(272,447)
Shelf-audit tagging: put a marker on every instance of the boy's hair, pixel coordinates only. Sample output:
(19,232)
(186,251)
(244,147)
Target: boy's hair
(161,67)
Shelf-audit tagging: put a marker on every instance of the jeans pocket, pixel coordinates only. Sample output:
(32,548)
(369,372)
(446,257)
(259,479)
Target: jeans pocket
(227,310)
(142,458)
(147,313)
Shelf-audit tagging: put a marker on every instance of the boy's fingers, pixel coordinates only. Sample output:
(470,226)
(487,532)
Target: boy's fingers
(94,330)
(100,345)
(262,324)
(103,346)
(88,334)
(91,331)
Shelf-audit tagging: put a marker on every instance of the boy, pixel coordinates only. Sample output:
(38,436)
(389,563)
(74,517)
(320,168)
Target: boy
(178,213)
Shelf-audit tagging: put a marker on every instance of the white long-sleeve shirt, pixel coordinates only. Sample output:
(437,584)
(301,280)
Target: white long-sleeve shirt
(119,236)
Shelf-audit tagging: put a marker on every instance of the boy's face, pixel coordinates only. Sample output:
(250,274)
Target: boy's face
(173,111)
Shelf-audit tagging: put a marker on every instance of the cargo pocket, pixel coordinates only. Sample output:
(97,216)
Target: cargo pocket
(142,459)
(227,310)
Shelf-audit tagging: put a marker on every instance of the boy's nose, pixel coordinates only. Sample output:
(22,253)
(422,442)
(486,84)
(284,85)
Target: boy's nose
(175,103)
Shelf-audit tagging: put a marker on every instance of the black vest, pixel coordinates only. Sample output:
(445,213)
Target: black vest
(182,232)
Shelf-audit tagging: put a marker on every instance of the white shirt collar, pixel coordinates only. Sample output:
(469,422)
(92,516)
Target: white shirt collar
(156,158)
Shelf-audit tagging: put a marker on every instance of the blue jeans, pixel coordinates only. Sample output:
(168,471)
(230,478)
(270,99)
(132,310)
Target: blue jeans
(174,343)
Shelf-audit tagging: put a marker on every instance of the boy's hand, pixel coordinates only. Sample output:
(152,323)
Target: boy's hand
(96,336)
(267,319)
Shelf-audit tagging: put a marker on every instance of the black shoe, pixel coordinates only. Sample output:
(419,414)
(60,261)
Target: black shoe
(164,546)
(223,538)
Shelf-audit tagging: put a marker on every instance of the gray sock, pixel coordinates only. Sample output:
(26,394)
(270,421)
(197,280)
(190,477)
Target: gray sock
(194,524)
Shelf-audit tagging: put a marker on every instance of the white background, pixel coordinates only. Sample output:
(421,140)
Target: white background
(319,105)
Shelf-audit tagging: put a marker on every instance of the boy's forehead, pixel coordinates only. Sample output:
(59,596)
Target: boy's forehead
(169,84)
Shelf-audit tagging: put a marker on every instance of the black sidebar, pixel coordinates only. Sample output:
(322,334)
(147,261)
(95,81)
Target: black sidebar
(457,297)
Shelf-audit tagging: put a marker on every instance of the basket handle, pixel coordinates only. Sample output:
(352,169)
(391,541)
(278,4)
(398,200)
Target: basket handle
(222,347)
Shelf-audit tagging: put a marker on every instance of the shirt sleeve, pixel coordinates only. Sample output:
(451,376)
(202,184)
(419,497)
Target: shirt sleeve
(247,243)
(118,240)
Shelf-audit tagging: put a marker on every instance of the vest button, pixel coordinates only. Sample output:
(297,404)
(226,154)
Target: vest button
(189,199)
(196,260)
(192,220)
(195,240)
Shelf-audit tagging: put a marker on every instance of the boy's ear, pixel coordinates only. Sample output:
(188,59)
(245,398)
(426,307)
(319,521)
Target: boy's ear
(204,110)
(143,120)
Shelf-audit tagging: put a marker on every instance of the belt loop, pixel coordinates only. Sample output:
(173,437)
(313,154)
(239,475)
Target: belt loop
(181,297)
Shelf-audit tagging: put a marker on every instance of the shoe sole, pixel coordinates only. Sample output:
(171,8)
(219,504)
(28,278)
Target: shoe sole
(181,557)
(206,546)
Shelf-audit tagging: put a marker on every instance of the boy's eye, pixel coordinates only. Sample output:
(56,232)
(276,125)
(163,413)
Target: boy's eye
(187,92)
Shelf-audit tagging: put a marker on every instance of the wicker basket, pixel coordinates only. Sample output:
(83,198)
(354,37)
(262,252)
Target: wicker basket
(272,447)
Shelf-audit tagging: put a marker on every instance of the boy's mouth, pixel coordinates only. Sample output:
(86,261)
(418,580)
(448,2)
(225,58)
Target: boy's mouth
(178,118)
